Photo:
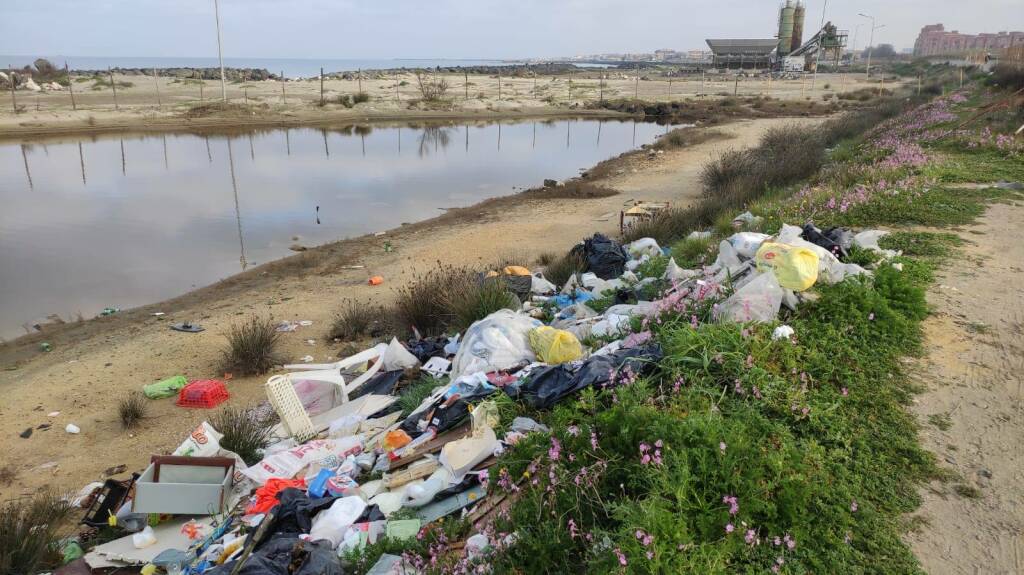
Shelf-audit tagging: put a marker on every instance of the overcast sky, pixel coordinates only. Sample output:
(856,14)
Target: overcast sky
(450,28)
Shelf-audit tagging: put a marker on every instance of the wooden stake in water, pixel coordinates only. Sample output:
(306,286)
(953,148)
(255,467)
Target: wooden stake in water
(113,86)
(71,89)
(156,84)
(14,100)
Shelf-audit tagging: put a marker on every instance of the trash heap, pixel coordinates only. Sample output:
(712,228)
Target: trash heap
(346,467)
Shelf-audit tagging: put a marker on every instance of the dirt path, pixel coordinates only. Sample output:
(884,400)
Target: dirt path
(85,375)
(972,410)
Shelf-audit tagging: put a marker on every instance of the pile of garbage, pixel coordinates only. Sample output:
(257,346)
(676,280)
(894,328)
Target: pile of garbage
(347,467)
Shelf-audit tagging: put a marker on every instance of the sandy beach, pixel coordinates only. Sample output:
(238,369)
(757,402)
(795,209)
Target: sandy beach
(160,103)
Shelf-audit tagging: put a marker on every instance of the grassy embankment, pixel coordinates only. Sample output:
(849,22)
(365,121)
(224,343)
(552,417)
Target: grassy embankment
(738,453)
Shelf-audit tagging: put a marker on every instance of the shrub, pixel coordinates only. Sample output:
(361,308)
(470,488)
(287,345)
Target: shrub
(559,271)
(245,432)
(252,347)
(419,304)
(1008,75)
(356,319)
(476,301)
(360,97)
(29,532)
(132,409)
(431,89)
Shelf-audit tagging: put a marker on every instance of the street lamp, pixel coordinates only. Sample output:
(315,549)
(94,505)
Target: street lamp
(871,42)
(220,54)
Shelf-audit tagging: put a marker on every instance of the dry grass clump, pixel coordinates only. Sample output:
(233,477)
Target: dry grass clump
(245,432)
(132,409)
(252,347)
(29,539)
(561,269)
(356,319)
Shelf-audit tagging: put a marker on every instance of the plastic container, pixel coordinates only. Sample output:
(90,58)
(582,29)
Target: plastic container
(204,393)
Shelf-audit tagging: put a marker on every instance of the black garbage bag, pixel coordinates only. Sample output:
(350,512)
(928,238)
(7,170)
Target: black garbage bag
(295,512)
(286,554)
(546,386)
(448,410)
(814,235)
(427,347)
(380,384)
(840,236)
(605,257)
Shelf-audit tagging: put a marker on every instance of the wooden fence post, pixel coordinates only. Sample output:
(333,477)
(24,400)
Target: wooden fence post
(636,90)
(14,100)
(113,86)
(499,84)
(359,78)
(71,89)
(465,74)
(322,88)
(284,97)
(156,83)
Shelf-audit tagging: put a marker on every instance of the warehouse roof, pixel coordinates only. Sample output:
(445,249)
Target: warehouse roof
(753,46)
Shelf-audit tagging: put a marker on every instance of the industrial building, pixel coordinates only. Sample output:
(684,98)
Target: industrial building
(787,50)
(743,53)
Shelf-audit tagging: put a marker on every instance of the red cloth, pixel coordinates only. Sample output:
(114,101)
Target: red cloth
(266,496)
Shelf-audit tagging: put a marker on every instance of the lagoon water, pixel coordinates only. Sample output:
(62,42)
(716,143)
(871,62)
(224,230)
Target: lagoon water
(121,221)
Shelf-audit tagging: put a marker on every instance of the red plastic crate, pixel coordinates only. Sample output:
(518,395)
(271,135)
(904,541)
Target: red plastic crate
(204,393)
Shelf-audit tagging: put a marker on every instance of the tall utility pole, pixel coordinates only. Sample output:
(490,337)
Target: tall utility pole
(817,59)
(220,54)
(871,42)
(853,54)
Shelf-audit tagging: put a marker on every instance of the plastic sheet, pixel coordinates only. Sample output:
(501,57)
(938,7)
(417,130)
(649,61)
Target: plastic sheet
(499,341)
(331,524)
(746,244)
(643,246)
(759,300)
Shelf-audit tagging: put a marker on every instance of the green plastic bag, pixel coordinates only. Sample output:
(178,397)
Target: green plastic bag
(166,388)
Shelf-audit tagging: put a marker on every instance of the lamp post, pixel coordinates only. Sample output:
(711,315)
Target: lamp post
(220,54)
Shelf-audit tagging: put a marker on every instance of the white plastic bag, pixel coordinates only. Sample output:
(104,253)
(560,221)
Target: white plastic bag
(539,285)
(747,243)
(286,464)
(674,273)
(611,325)
(643,246)
(759,300)
(499,341)
(397,357)
(332,523)
(144,538)
(728,259)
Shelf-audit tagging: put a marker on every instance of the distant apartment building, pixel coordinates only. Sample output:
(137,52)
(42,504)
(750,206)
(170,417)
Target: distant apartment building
(934,40)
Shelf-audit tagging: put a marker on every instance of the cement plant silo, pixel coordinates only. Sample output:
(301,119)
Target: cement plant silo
(786,28)
(798,27)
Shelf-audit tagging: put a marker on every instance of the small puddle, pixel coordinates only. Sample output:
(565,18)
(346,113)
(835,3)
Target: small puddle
(122,221)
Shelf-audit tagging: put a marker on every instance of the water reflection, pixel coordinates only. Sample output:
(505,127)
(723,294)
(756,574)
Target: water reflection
(155,231)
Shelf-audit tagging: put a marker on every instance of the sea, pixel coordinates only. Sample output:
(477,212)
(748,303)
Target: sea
(291,67)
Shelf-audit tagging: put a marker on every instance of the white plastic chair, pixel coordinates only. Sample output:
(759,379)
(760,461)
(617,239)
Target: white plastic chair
(285,401)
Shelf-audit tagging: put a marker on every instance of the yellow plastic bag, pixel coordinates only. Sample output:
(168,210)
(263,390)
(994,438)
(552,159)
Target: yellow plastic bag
(555,345)
(796,268)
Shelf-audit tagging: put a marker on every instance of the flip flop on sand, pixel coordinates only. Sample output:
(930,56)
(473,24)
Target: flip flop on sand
(187,327)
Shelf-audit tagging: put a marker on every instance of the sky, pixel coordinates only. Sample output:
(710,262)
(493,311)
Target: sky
(500,29)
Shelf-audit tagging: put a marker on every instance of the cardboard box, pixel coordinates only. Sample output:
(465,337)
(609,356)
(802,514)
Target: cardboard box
(184,485)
